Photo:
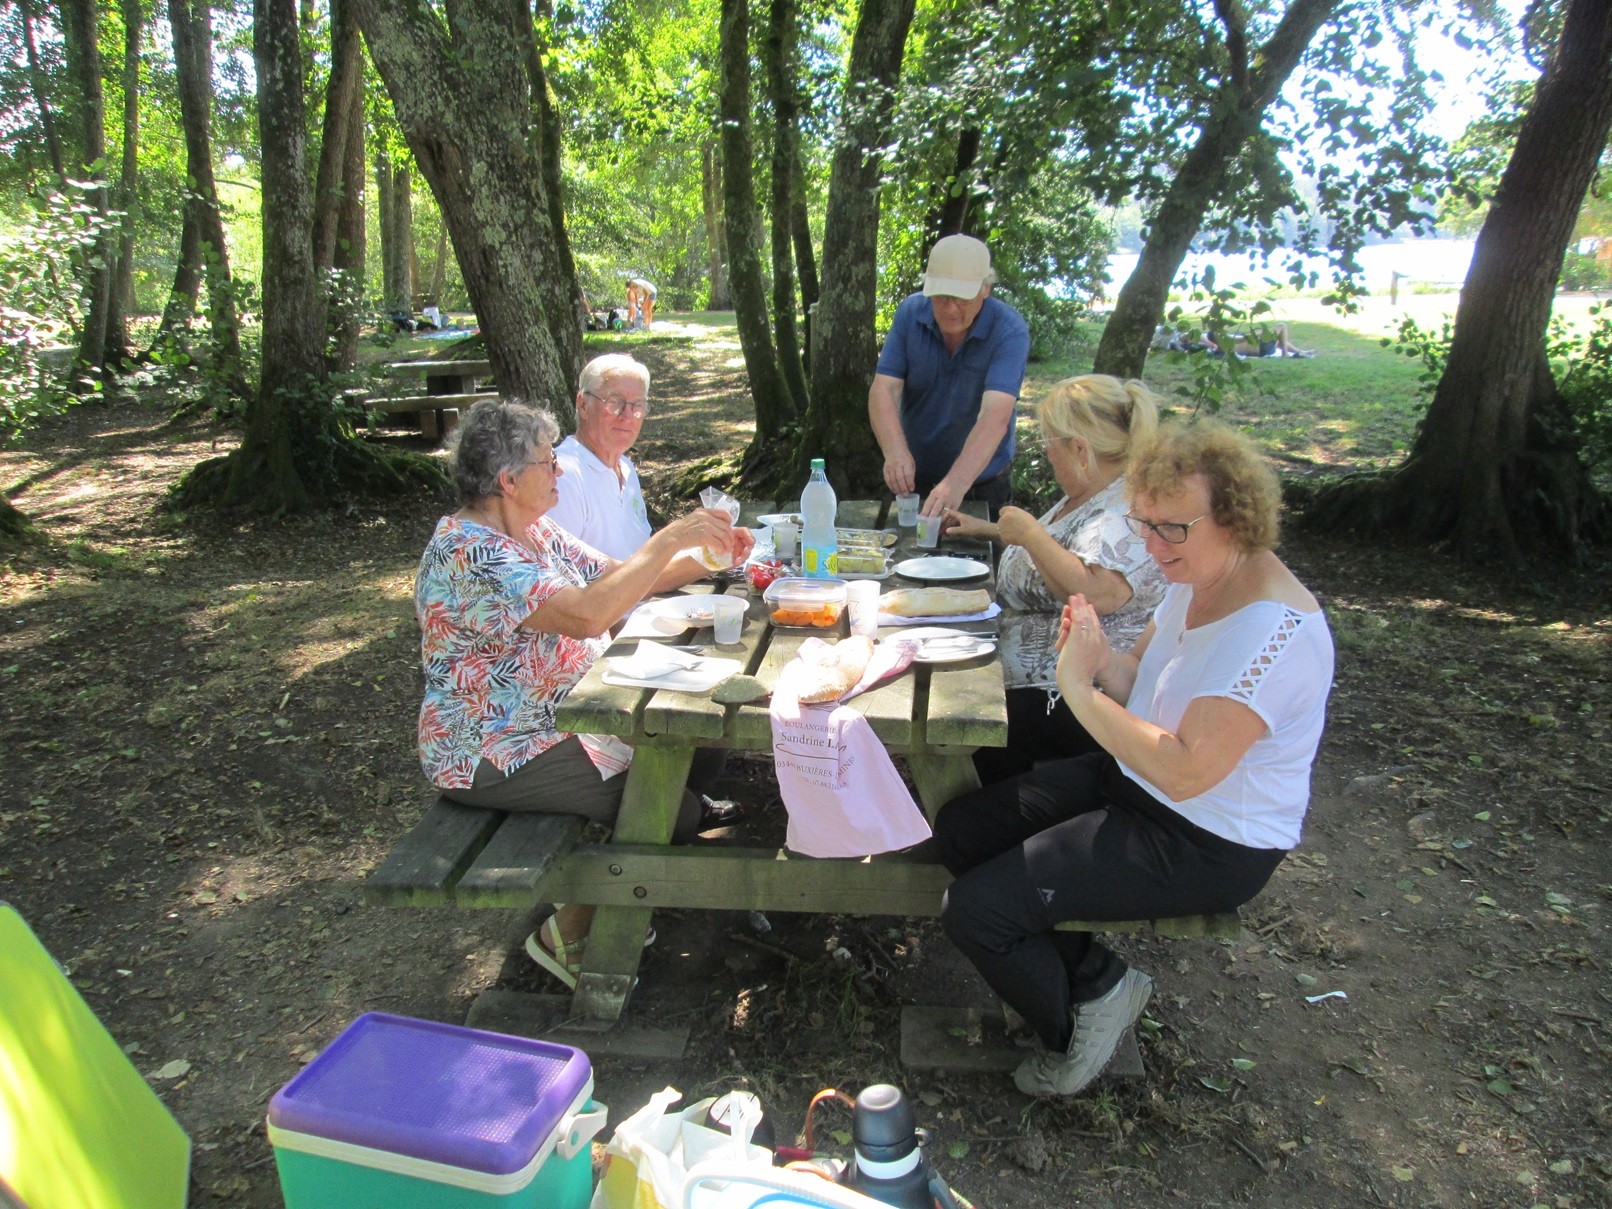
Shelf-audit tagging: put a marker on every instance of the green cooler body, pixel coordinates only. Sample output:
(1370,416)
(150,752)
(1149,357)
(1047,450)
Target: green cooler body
(409,1114)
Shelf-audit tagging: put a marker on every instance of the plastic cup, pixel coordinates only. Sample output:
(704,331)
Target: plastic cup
(784,536)
(928,531)
(727,621)
(862,604)
(907,509)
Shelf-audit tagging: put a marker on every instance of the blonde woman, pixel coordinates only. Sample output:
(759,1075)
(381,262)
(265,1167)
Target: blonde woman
(1090,425)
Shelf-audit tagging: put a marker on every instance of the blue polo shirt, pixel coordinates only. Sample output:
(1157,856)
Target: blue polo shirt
(941,391)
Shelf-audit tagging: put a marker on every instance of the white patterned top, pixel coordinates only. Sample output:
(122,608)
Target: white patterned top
(1097,534)
(1275,660)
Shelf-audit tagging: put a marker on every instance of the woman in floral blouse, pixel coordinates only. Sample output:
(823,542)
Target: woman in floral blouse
(1089,426)
(513,611)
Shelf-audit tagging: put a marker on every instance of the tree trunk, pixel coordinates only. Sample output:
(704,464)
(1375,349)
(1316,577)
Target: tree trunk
(1495,467)
(844,349)
(549,129)
(952,213)
(775,406)
(439,267)
(401,245)
(781,63)
(122,299)
(186,288)
(191,23)
(348,257)
(716,235)
(388,228)
(1237,110)
(341,90)
(81,35)
(462,94)
(36,85)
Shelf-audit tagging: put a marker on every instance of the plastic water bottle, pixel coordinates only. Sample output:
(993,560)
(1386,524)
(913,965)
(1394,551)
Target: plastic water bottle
(819,547)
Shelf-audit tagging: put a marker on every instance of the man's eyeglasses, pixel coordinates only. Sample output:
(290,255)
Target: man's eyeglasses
(1174,532)
(620,407)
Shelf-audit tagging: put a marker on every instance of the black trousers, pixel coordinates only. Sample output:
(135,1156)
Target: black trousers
(1076,839)
(1035,733)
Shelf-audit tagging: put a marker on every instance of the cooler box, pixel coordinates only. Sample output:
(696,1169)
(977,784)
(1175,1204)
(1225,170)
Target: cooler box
(399,1113)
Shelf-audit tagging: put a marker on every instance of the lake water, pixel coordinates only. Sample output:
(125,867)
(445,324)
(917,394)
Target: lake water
(1442,261)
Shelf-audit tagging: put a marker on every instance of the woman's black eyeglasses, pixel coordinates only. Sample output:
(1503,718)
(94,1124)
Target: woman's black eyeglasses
(1174,532)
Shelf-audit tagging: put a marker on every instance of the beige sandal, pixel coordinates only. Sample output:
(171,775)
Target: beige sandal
(560,957)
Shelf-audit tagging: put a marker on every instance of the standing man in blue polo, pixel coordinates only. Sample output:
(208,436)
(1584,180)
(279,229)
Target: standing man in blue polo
(942,398)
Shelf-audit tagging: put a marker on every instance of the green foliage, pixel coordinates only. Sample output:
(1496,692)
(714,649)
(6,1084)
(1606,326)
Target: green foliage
(1583,361)
(1218,313)
(40,304)
(1431,348)
(1584,271)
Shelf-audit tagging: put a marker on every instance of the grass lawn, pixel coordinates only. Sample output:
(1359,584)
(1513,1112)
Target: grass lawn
(1355,405)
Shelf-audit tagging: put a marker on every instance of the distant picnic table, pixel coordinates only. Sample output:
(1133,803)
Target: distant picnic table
(450,386)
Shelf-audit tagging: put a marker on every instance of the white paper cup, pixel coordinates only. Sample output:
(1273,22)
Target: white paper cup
(907,509)
(784,536)
(728,618)
(928,531)
(862,605)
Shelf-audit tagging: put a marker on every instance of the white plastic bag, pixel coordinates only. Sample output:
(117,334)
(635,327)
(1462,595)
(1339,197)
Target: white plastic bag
(648,1157)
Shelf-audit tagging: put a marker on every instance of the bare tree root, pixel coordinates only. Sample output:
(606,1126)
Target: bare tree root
(246,480)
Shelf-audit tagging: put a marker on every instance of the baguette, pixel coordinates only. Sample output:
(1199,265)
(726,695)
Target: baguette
(935,602)
(837,673)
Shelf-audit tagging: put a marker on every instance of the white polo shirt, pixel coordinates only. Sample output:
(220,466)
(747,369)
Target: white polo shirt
(605,512)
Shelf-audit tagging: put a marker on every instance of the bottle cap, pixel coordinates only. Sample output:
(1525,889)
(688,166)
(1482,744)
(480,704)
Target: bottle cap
(817,463)
(882,1126)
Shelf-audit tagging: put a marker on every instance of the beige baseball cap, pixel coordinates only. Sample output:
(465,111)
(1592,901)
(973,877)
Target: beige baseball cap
(958,266)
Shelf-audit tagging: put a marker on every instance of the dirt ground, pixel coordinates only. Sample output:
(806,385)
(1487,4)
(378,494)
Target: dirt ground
(208,737)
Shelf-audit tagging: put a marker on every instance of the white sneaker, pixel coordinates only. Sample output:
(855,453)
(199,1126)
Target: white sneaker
(1098,1027)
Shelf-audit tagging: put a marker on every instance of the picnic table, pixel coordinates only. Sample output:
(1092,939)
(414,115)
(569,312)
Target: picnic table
(449,387)
(934,717)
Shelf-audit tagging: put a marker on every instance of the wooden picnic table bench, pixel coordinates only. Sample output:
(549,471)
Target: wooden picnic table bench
(450,386)
(935,717)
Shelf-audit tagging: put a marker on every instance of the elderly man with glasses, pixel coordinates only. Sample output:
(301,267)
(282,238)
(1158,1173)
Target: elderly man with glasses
(601,498)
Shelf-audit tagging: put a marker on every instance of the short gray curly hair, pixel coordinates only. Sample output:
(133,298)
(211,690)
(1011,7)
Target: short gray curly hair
(496,436)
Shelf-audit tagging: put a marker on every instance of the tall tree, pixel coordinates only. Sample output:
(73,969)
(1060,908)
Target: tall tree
(775,406)
(461,83)
(1253,76)
(343,106)
(844,349)
(1494,468)
(192,26)
(297,451)
(348,257)
(122,296)
(716,236)
(41,96)
(782,69)
(81,33)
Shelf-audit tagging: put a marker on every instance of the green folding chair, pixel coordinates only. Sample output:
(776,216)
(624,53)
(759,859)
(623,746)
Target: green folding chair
(78,1124)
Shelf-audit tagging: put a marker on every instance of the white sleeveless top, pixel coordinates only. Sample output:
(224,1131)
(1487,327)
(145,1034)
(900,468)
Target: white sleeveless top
(1275,660)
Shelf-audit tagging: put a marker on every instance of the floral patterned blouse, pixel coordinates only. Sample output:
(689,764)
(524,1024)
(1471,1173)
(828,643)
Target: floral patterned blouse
(491,685)
(1097,534)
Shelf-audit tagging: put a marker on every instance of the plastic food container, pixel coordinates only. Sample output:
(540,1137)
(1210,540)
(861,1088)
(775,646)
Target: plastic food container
(817,603)
(862,560)
(407,1113)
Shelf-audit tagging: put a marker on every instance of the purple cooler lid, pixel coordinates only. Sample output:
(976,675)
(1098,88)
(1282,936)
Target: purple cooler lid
(459,1096)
